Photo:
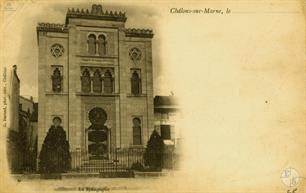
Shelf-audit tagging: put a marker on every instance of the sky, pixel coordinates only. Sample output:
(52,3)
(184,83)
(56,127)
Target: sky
(22,20)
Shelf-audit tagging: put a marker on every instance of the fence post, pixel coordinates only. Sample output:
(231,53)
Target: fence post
(128,157)
(116,158)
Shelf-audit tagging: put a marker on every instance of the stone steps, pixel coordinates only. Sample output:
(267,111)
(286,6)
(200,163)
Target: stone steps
(101,166)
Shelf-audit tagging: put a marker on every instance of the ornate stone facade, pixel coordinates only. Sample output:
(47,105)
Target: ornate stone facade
(92,68)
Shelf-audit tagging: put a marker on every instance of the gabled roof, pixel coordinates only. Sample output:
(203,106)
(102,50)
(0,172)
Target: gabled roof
(165,104)
(165,101)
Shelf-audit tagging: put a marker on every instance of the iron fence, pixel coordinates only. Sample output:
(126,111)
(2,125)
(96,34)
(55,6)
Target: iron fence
(117,160)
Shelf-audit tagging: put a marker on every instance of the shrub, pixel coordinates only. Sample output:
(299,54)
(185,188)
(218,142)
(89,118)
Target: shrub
(137,166)
(153,155)
(55,156)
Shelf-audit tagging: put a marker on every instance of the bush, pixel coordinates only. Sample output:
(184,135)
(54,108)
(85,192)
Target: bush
(137,166)
(55,156)
(153,155)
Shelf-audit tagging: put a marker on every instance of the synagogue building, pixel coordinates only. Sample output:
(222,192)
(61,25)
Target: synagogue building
(96,76)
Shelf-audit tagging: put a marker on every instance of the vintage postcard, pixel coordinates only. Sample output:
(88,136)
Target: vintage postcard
(153,96)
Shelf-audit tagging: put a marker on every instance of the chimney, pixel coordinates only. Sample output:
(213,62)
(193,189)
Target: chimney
(15,68)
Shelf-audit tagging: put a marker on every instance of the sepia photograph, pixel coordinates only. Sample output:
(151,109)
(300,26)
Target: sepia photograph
(142,96)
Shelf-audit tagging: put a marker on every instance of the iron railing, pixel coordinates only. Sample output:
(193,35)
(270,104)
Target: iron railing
(117,160)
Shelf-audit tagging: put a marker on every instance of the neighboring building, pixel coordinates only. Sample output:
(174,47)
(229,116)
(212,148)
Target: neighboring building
(13,91)
(167,115)
(26,105)
(28,132)
(12,117)
(22,127)
(95,73)
(34,129)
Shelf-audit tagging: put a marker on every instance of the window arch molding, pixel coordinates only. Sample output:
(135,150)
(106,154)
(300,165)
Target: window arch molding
(95,51)
(102,44)
(101,34)
(97,81)
(88,69)
(57,79)
(108,81)
(86,80)
(136,82)
(91,43)
(97,34)
(111,70)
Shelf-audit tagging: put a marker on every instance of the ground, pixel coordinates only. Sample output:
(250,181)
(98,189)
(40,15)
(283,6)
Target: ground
(150,184)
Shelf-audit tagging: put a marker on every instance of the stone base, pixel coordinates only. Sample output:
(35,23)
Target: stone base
(51,176)
(118,174)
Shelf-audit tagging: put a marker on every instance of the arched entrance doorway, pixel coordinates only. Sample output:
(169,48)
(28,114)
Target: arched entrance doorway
(97,134)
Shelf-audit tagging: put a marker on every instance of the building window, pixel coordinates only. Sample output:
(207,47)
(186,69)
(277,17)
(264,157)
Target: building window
(91,44)
(108,82)
(165,132)
(57,81)
(165,116)
(86,82)
(136,131)
(97,82)
(135,83)
(102,45)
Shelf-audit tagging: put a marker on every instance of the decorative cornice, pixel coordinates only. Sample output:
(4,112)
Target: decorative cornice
(97,94)
(137,95)
(143,33)
(52,27)
(96,13)
(55,93)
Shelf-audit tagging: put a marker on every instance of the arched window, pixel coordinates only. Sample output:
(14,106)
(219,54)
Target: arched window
(101,45)
(135,83)
(108,82)
(57,81)
(86,82)
(97,82)
(91,44)
(136,131)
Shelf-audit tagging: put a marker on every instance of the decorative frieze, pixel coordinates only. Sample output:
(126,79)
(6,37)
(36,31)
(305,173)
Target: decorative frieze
(143,33)
(51,27)
(96,12)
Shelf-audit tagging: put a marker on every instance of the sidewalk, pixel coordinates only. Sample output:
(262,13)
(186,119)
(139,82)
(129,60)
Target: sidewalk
(94,175)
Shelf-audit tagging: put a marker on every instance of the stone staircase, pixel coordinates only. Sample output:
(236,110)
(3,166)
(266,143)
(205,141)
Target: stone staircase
(102,165)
